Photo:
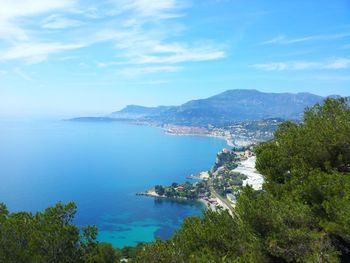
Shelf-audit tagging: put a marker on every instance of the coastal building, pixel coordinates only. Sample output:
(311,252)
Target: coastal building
(225,150)
(180,188)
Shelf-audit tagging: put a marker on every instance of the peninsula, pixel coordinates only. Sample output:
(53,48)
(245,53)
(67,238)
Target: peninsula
(219,187)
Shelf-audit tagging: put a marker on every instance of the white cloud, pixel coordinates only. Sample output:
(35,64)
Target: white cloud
(59,22)
(139,43)
(338,63)
(147,52)
(282,39)
(11,9)
(13,29)
(142,32)
(12,32)
(35,52)
(278,39)
(188,55)
(157,9)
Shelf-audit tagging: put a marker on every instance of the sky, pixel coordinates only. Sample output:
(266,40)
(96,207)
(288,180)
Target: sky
(92,57)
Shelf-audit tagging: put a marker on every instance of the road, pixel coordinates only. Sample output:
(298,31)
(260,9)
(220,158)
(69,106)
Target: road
(225,203)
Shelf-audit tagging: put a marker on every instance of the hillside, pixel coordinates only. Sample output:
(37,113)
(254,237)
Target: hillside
(224,108)
(301,215)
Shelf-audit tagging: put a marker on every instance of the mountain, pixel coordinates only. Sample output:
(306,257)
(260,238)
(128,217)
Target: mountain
(137,112)
(224,108)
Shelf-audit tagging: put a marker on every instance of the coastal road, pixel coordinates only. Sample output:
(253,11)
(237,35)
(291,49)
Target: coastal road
(226,203)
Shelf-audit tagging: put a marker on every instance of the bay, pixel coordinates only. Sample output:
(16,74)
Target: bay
(101,166)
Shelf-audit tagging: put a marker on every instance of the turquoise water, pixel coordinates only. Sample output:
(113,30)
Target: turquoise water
(101,166)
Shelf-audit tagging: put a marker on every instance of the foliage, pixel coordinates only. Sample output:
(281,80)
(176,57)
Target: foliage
(225,159)
(213,238)
(49,236)
(185,191)
(159,189)
(301,215)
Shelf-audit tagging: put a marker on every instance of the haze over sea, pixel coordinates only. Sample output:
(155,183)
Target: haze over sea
(100,166)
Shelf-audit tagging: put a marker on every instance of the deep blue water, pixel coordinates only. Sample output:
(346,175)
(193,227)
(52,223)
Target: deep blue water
(101,166)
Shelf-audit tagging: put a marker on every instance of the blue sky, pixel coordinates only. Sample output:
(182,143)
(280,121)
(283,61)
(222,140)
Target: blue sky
(90,57)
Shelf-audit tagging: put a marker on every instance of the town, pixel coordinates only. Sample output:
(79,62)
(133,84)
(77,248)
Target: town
(236,134)
(217,188)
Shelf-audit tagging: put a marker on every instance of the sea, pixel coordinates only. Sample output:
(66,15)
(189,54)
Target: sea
(101,166)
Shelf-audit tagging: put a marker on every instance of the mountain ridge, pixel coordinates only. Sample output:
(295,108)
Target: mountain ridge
(220,110)
(227,107)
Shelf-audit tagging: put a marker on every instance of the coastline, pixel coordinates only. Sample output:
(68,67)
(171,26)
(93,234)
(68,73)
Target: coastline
(229,140)
(212,203)
(216,201)
(168,129)
(151,193)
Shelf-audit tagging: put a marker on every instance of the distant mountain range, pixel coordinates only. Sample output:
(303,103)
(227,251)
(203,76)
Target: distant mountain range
(222,109)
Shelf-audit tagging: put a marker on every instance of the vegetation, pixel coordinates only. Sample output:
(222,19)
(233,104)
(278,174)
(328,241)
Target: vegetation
(49,236)
(301,215)
(256,130)
(186,191)
(228,182)
(223,179)
(226,159)
(159,190)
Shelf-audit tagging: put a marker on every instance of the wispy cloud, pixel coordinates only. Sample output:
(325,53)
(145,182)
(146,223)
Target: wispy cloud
(59,22)
(141,45)
(282,39)
(23,42)
(35,52)
(145,52)
(159,9)
(142,33)
(337,63)
(11,9)
(277,39)
(185,55)
(11,12)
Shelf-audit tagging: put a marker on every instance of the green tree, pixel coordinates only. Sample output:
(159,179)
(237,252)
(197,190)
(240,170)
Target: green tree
(159,189)
(49,236)
(104,253)
(301,215)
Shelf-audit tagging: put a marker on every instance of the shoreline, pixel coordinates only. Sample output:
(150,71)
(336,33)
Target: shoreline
(229,141)
(151,193)
(167,130)
(213,203)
